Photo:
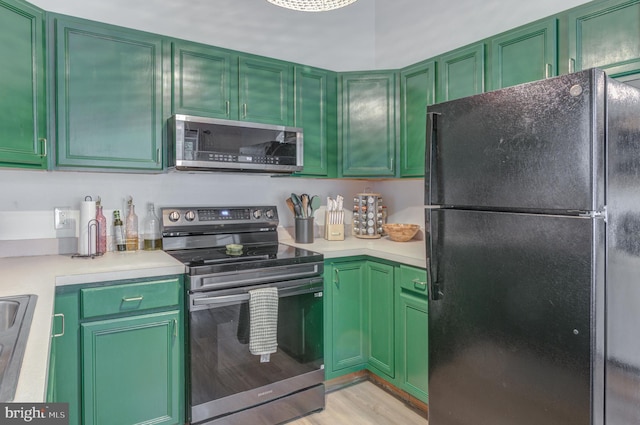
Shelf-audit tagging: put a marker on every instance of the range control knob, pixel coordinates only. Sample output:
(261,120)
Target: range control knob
(270,214)
(174,216)
(257,214)
(190,215)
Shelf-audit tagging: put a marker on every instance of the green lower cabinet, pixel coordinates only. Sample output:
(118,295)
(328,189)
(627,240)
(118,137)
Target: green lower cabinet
(380,310)
(118,352)
(376,316)
(345,314)
(131,370)
(64,365)
(412,347)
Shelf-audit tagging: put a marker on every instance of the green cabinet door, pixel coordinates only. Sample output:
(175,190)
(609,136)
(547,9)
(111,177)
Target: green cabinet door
(461,73)
(380,309)
(315,91)
(346,345)
(65,387)
(108,96)
(528,53)
(23,121)
(132,370)
(266,91)
(412,329)
(605,35)
(368,124)
(205,81)
(417,91)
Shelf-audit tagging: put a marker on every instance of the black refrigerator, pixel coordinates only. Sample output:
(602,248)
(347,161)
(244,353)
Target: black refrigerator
(533,253)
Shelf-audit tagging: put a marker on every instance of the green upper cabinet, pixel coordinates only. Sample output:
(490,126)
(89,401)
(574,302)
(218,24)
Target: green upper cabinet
(205,81)
(605,35)
(23,121)
(266,90)
(461,72)
(417,91)
(315,100)
(526,54)
(109,96)
(368,123)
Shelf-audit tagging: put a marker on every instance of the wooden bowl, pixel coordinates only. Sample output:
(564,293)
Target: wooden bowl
(401,232)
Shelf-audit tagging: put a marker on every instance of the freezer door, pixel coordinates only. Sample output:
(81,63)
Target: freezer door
(533,146)
(512,319)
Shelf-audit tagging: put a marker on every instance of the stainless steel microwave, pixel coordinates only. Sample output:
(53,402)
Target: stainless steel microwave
(210,144)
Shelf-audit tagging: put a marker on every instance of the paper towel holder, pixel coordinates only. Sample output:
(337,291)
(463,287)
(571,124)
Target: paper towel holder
(93,228)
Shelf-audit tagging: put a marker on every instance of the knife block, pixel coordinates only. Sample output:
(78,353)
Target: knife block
(333,232)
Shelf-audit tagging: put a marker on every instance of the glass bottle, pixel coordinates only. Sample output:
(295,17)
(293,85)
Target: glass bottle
(102,228)
(131,227)
(118,231)
(152,235)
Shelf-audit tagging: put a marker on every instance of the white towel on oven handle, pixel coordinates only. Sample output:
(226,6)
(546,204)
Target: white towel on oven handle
(263,327)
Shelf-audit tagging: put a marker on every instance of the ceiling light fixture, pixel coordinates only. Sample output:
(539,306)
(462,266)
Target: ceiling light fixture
(312,5)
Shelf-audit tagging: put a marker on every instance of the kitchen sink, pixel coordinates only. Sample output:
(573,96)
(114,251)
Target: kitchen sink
(16,314)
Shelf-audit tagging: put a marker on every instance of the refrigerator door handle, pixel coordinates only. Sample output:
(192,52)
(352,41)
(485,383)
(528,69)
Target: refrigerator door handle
(435,287)
(431,151)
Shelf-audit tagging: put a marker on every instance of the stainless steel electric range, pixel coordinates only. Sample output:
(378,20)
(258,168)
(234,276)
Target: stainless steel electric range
(227,384)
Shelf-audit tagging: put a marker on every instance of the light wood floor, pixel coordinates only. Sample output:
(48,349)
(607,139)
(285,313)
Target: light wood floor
(363,403)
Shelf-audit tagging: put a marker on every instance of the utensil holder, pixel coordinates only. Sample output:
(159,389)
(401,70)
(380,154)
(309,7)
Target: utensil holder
(304,230)
(333,232)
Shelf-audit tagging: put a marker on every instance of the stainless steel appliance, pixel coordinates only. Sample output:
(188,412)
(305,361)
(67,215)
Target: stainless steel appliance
(228,384)
(209,144)
(533,211)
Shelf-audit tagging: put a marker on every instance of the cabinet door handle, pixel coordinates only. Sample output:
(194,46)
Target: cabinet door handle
(61,333)
(419,285)
(572,65)
(158,156)
(175,328)
(244,110)
(132,299)
(548,70)
(43,142)
(228,107)
(337,278)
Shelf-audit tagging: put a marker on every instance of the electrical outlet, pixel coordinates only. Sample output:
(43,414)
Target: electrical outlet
(62,218)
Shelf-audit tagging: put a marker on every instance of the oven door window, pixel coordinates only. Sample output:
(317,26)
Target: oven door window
(221,364)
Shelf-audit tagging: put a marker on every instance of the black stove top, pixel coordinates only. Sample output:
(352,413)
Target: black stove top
(197,236)
(216,260)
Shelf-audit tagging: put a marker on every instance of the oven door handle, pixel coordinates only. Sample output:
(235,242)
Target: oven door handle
(307,287)
(223,299)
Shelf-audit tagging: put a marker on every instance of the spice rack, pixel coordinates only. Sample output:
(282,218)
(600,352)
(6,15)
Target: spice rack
(367,215)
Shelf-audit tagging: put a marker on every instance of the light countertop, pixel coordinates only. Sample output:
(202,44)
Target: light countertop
(40,275)
(412,253)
